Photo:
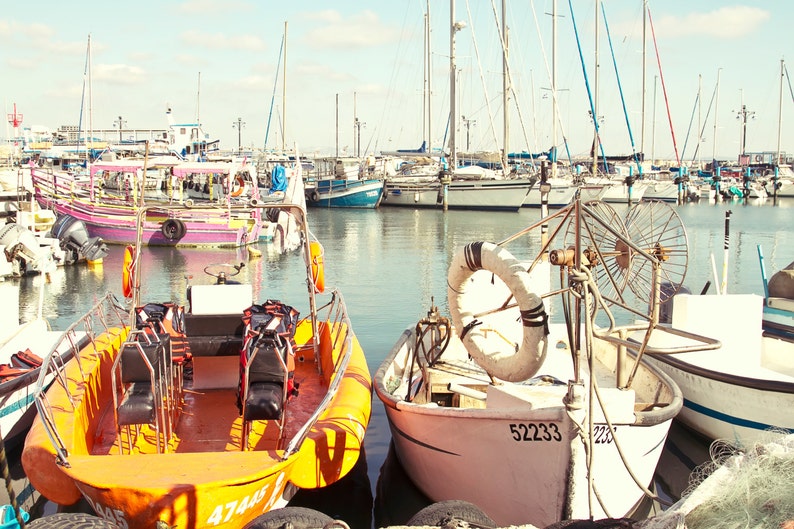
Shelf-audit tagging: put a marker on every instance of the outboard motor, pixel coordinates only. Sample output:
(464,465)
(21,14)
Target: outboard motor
(23,250)
(73,235)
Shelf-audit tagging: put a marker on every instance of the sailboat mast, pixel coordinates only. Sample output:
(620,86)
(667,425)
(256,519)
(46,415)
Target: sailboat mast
(505,91)
(716,101)
(554,82)
(595,97)
(644,71)
(90,106)
(284,96)
(426,121)
(780,112)
(453,116)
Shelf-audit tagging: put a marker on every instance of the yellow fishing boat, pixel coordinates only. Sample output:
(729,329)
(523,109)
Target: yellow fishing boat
(210,414)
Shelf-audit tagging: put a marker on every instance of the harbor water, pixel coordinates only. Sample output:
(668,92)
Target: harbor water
(390,264)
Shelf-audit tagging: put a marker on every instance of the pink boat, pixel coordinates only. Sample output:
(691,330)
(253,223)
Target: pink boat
(108,198)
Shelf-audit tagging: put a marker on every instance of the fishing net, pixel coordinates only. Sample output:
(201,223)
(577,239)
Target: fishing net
(751,488)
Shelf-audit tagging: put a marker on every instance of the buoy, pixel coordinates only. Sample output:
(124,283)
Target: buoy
(128,271)
(318,266)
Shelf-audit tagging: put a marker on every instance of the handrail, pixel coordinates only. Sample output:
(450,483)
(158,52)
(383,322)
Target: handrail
(339,308)
(106,308)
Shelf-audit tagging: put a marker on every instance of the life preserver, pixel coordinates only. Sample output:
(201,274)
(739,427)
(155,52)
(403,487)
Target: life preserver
(496,355)
(128,271)
(758,158)
(238,186)
(173,229)
(317,256)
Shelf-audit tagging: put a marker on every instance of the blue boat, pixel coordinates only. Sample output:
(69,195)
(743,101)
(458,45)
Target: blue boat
(345,193)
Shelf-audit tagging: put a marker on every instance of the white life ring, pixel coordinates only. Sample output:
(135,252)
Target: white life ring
(499,358)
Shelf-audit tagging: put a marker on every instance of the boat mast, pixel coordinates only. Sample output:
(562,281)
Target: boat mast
(198,99)
(505,92)
(716,100)
(644,71)
(555,108)
(284,96)
(427,138)
(453,118)
(780,113)
(595,98)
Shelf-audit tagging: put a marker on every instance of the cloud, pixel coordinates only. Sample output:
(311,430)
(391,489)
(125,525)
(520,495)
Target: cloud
(217,41)
(118,74)
(205,7)
(725,22)
(359,30)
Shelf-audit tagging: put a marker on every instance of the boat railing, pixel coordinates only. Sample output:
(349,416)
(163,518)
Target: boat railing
(333,316)
(106,313)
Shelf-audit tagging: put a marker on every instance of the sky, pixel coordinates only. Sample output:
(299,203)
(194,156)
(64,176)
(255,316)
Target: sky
(299,74)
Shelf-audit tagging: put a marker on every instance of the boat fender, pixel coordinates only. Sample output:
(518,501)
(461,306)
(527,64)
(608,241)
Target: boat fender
(317,254)
(488,347)
(128,271)
(315,196)
(173,229)
(189,203)
(238,186)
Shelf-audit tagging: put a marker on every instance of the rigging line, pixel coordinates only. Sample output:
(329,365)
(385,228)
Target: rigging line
(788,79)
(501,33)
(555,100)
(482,78)
(691,119)
(705,119)
(395,75)
(664,88)
(620,89)
(273,96)
(587,86)
(82,96)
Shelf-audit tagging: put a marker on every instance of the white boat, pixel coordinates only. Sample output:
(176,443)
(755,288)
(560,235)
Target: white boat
(779,304)
(536,422)
(486,194)
(665,190)
(560,193)
(743,389)
(23,345)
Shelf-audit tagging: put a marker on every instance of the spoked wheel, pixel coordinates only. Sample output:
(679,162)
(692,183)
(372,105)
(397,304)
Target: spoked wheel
(656,228)
(604,251)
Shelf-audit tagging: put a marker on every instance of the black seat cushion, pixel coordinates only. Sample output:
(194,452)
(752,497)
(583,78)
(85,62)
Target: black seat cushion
(133,366)
(137,406)
(264,401)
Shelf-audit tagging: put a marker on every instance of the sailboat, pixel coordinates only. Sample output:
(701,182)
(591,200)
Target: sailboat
(456,187)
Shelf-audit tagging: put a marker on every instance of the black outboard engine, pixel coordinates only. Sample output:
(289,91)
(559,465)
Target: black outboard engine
(73,235)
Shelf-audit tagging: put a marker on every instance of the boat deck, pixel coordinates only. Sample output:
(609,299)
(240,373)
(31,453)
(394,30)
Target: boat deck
(208,420)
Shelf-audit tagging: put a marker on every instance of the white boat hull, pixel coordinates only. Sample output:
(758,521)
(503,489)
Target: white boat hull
(745,388)
(518,456)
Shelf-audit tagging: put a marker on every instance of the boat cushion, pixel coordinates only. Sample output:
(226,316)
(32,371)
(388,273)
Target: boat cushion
(137,406)
(133,366)
(264,401)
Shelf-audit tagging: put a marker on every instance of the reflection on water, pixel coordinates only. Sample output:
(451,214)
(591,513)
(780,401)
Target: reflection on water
(389,264)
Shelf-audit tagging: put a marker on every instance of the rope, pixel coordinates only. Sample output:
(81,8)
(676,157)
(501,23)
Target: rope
(9,485)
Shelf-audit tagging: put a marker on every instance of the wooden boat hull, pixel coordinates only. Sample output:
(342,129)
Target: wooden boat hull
(224,488)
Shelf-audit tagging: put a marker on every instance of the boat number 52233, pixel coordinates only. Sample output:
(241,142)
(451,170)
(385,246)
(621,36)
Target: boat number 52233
(535,431)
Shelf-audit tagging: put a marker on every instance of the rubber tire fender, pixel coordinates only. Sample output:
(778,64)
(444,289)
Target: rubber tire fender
(293,517)
(173,229)
(71,520)
(441,513)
